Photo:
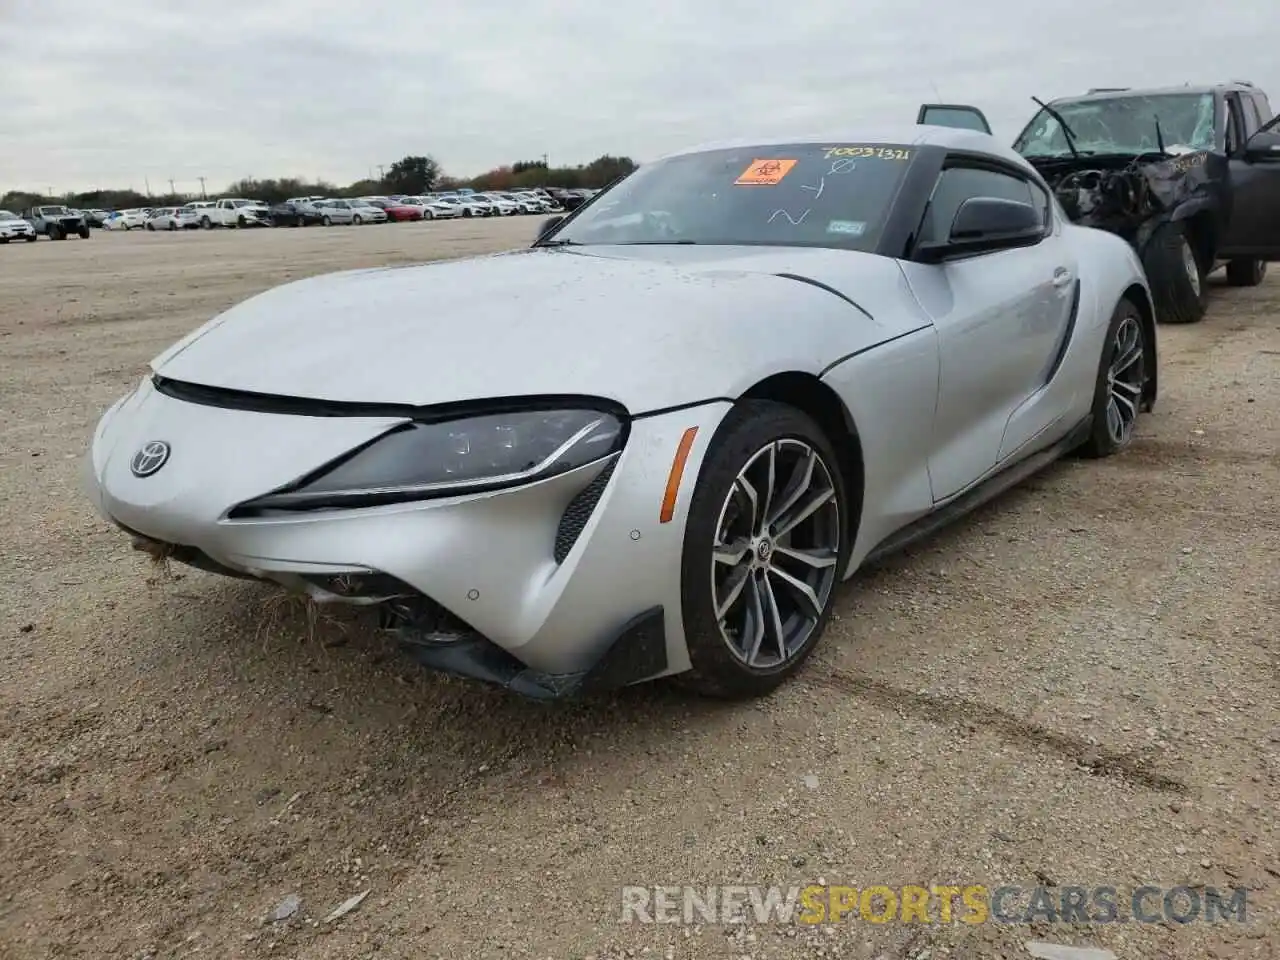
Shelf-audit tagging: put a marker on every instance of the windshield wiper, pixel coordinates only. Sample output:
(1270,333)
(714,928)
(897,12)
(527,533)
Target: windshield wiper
(1160,139)
(657,243)
(1067,132)
(558,243)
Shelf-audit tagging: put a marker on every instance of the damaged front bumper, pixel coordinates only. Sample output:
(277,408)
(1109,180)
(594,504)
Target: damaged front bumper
(1131,195)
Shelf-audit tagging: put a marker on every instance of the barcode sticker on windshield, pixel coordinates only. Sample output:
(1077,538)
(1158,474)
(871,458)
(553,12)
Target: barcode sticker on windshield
(765,173)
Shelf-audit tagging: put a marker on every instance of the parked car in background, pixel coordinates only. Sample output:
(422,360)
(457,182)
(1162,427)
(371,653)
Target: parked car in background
(401,210)
(470,205)
(235,212)
(295,213)
(56,222)
(334,211)
(96,218)
(173,218)
(502,207)
(435,209)
(13,227)
(364,212)
(126,220)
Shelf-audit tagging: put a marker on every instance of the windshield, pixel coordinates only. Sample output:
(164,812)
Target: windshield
(7,215)
(1122,125)
(52,211)
(813,194)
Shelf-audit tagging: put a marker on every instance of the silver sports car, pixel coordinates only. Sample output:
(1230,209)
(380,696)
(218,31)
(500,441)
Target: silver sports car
(654,442)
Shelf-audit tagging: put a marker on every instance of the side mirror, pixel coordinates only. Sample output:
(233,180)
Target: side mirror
(548,225)
(983,225)
(1263,147)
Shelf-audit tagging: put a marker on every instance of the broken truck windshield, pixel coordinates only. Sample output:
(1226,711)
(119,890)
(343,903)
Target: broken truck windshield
(1122,125)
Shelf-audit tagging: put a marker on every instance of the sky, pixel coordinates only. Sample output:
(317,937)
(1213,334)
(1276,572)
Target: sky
(131,93)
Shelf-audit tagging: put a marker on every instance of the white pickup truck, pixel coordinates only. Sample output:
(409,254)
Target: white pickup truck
(234,212)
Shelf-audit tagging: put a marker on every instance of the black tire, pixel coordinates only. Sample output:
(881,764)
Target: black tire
(173,225)
(326,222)
(206,223)
(428,215)
(4,239)
(1178,299)
(1102,442)
(357,220)
(241,222)
(151,227)
(32,238)
(751,427)
(84,233)
(1246,273)
(55,232)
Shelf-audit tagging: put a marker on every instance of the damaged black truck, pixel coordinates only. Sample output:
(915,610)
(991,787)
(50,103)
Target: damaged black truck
(1189,176)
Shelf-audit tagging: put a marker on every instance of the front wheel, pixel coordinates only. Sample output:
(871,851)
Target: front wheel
(1246,273)
(84,233)
(55,233)
(173,225)
(151,227)
(1177,277)
(764,546)
(31,238)
(357,220)
(1122,380)
(326,222)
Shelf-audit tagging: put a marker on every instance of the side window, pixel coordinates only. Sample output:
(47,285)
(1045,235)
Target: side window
(1251,119)
(1235,123)
(958,184)
(1264,108)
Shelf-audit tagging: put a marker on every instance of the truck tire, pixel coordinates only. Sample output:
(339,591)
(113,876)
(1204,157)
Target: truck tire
(55,232)
(206,223)
(1176,275)
(84,232)
(1246,273)
(32,238)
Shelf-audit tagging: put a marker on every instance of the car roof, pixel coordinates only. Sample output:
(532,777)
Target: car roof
(921,135)
(1186,88)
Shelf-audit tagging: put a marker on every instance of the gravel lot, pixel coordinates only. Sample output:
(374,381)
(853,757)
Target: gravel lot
(1075,686)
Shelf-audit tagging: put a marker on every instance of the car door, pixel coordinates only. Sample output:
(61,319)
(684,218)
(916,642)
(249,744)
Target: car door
(1253,163)
(1002,318)
(959,115)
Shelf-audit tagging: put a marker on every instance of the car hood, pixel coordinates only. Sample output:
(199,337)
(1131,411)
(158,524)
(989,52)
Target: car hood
(648,327)
(13,222)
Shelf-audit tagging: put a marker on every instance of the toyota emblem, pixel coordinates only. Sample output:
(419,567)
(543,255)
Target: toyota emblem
(153,455)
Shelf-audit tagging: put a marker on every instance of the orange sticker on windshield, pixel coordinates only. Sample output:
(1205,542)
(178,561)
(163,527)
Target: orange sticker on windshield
(765,173)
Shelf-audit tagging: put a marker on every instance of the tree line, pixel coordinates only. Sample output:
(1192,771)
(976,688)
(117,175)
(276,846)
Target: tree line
(412,176)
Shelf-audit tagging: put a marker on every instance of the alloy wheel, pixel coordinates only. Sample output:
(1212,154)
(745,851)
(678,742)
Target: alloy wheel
(774,560)
(1190,265)
(1125,380)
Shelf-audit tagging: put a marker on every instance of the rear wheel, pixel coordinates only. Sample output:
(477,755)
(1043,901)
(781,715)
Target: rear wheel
(206,223)
(763,551)
(31,238)
(357,220)
(1246,273)
(326,222)
(1122,379)
(84,233)
(1176,275)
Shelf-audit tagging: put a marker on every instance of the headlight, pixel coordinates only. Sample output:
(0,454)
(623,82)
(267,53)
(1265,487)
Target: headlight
(423,460)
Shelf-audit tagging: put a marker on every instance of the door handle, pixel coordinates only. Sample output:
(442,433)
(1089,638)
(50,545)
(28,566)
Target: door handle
(1061,277)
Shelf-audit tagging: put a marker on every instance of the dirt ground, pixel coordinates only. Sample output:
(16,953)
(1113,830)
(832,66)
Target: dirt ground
(1075,686)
